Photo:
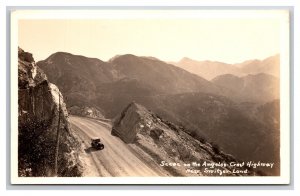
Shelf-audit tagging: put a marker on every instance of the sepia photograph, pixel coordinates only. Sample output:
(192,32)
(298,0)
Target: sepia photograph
(150,96)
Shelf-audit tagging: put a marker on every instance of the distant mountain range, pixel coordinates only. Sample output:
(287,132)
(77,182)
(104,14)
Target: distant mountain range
(224,110)
(85,75)
(212,69)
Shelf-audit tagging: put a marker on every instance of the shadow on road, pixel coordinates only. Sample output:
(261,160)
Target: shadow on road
(90,149)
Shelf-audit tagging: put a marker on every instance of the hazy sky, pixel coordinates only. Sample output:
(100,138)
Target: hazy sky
(226,40)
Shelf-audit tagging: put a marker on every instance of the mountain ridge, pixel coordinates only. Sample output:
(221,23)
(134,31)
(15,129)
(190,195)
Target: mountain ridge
(210,69)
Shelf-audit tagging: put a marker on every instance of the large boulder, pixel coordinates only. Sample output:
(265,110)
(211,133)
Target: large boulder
(129,123)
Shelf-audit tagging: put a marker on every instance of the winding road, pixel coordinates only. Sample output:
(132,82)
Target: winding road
(117,158)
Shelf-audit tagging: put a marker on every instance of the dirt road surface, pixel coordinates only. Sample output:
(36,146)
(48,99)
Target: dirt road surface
(117,158)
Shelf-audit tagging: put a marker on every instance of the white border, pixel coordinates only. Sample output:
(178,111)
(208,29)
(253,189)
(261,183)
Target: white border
(104,14)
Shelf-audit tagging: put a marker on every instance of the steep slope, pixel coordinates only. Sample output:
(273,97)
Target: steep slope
(40,114)
(237,129)
(167,144)
(113,97)
(255,88)
(77,76)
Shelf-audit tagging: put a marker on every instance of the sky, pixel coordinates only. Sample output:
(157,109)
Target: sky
(229,40)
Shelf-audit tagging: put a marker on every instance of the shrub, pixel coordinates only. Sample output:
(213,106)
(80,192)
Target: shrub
(216,148)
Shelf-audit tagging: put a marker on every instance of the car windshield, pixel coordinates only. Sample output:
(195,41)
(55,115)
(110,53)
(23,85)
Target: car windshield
(96,140)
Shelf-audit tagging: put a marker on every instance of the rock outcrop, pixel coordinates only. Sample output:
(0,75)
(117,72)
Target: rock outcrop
(132,119)
(164,141)
(86,111)
(41,115)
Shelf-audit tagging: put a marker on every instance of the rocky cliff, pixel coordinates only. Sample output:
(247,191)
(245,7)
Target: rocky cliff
(168,144)
(41,115)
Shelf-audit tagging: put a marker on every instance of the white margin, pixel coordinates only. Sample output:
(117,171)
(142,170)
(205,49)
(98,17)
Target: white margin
(284,102)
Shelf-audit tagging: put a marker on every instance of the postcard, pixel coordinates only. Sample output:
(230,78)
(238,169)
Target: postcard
(161,96)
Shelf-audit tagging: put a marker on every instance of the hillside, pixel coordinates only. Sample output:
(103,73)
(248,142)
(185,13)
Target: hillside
(218,119)
(236,129)
(77,76)
(165,144)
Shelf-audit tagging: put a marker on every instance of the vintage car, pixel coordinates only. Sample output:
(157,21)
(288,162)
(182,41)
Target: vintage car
(96,144)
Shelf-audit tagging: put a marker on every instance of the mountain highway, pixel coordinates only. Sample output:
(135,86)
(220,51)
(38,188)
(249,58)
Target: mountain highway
(117,158)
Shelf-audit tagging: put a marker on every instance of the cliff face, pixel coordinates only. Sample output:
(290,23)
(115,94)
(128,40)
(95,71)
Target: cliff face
(128,124)
(41,115)
(162,140)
